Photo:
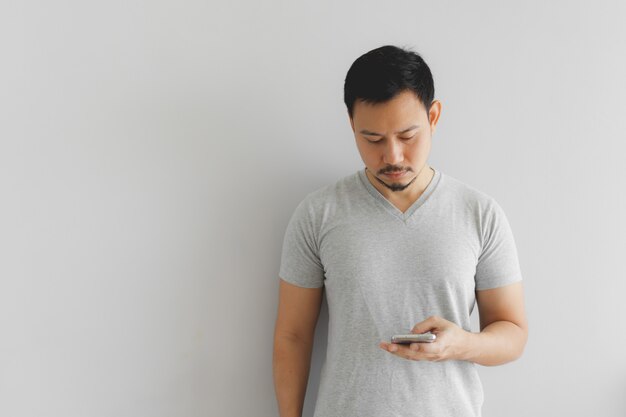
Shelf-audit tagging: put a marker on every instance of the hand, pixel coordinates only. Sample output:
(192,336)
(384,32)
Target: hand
(451,343)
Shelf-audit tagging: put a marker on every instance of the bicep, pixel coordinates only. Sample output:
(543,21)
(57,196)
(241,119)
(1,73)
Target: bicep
(504,303)
(298,311)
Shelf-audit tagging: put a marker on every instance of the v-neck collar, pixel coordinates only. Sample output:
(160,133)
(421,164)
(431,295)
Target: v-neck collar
(388,205)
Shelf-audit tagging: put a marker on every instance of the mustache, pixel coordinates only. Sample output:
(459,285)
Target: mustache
(394,170)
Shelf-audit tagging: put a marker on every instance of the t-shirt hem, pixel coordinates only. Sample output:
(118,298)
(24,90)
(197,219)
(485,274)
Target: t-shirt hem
(498,284)
(299,283)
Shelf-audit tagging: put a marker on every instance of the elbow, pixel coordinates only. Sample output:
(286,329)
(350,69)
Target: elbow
(520,345)
(514,348)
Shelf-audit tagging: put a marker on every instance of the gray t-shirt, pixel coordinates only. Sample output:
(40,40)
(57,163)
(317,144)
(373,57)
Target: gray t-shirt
(383,272)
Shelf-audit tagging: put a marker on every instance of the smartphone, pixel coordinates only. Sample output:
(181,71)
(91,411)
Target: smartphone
(427,337)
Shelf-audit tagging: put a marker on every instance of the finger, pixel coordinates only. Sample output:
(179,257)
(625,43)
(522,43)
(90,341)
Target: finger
(393,347)
(390,347)
(426,325)
(406,352)
(401,350)
(426,348)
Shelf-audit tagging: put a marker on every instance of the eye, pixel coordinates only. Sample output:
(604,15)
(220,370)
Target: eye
(380,140)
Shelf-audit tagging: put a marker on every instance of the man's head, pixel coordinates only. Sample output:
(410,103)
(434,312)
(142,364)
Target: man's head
(389,96)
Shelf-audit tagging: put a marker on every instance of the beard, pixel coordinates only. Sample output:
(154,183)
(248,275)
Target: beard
(396,186)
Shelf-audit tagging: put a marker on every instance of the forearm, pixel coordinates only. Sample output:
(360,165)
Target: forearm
(291,365)
(498,343)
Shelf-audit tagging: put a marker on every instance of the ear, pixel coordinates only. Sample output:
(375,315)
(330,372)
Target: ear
(434,113)
(351,123)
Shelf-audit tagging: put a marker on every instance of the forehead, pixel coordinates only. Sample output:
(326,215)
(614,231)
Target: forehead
(403,108)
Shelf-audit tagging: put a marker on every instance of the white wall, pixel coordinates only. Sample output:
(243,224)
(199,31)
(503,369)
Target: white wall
(151,154)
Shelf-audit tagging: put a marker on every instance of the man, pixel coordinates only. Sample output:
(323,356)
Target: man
(398,247)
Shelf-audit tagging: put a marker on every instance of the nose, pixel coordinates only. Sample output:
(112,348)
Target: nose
(393,152)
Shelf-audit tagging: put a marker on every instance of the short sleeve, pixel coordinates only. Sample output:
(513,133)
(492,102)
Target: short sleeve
(498,263)
(300,262)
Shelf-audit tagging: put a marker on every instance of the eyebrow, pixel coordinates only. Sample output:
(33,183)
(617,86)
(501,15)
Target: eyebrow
(367,132)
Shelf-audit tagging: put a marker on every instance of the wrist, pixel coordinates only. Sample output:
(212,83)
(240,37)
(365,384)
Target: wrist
(468,346)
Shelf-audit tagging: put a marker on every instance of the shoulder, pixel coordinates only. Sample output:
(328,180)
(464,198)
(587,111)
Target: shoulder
(468,196)
(330,196)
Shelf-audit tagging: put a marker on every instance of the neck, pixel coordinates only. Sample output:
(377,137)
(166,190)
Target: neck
(409,194)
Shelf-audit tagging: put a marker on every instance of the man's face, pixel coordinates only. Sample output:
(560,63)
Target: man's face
(394,136)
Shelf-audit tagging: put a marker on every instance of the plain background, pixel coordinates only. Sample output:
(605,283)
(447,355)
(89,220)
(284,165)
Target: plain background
(152,153)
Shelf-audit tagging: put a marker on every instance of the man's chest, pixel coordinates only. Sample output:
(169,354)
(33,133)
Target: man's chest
(434,255)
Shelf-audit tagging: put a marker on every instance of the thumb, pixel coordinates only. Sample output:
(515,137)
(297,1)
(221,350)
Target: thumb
(425,326)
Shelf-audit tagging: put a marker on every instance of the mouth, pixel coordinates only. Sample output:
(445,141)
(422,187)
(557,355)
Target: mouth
(395,175)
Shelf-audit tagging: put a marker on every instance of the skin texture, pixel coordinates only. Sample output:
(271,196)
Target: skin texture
(298,311)
(407,151)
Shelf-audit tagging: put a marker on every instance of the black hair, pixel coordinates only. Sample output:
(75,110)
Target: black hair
(380,74)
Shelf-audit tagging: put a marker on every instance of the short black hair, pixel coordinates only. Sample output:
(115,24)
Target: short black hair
(378,75)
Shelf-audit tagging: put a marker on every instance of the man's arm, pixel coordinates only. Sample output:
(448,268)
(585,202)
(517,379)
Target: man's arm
(502,338)
(503,326)
(298,311)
